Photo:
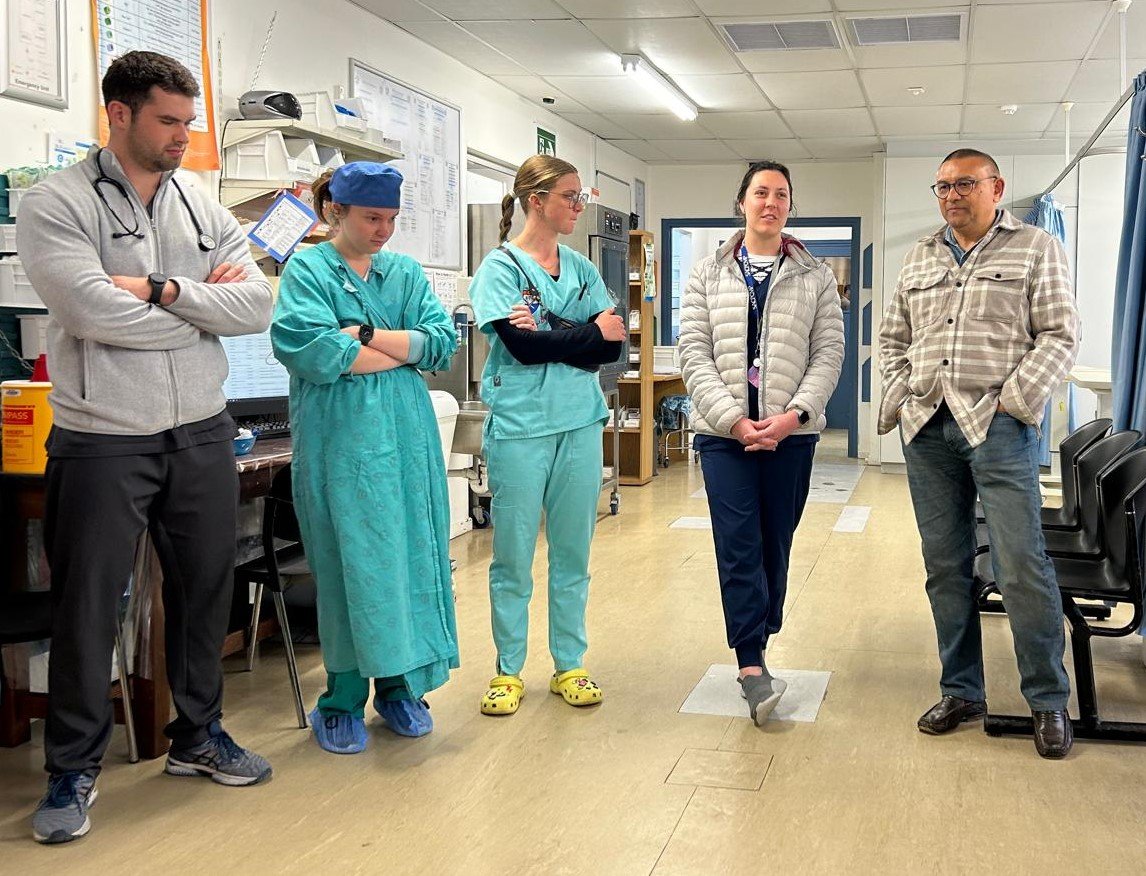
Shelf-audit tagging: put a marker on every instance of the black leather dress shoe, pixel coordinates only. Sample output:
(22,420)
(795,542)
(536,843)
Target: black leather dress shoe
(1054,734)
(949,713)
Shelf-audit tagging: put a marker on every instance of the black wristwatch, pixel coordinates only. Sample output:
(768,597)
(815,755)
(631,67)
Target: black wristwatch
(158,283)
(802,415)
(365,334)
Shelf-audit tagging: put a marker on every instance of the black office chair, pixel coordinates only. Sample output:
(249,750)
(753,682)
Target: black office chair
(1116,577)
(27,617)
(282,564)
(1069,450)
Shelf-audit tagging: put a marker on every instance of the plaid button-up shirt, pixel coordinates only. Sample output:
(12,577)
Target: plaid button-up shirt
(1001,327)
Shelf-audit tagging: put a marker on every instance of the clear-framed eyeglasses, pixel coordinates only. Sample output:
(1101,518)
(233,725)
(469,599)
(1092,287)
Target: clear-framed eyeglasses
(573,199)
(963,186)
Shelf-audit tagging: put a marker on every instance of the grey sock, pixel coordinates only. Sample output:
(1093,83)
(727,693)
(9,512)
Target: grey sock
(762,692)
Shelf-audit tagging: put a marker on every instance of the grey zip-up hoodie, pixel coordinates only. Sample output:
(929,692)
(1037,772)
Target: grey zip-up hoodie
(118,365)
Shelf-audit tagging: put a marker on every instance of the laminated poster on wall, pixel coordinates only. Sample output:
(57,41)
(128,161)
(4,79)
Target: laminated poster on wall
(283,226)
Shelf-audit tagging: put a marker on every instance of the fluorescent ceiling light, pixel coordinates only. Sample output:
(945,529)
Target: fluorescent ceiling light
(655,82)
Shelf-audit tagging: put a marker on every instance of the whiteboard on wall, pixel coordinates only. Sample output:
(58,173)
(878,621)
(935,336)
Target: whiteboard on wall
(430,222)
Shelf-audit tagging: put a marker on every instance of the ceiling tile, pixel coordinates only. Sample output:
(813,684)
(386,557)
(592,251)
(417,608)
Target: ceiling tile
(641,149)
(745,126)
(605,94)
(546,47)
(695,150)
(398,10)
(830,123)
(458,44)
(630,8)
(888,87)
(732,92)
(1099,80)
(794,60)
(918,55)
(598,125)
(844,147)
(535,88)
(659,126)
(902,121)
(677,45)
(1030,119)
(1135,35)
(756,8)
(1042,82)
(851,6)
(812,90)
(509,10)
(763,150)
(1063,31)
(1084,118)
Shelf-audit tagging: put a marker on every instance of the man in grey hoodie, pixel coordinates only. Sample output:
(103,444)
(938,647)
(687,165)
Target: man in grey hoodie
(141,276)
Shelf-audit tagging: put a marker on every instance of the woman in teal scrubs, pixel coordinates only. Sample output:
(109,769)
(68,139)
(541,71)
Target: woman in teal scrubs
(352,326)
(550,323)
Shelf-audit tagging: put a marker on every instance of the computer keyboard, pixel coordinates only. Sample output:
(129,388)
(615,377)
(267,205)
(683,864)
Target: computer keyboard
(265,428)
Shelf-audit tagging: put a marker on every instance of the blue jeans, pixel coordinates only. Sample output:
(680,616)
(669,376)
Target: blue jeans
(945,473)
(755,501)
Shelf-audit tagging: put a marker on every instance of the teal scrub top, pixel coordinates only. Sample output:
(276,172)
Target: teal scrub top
(530,401)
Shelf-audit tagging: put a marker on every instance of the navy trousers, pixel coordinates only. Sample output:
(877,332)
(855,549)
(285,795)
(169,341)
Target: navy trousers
(755,500)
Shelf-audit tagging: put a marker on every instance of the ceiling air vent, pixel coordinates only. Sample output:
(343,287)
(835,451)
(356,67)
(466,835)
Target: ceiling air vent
(779,36)
(912,29)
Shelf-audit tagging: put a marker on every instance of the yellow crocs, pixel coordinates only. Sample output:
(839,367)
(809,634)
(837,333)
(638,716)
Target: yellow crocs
(576,687)
(504,695)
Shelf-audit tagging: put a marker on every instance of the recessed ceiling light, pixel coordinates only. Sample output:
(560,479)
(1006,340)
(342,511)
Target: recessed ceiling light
(1009,109)
(916,90)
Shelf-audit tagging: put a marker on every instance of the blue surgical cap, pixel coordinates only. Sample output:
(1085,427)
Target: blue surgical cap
(367,184)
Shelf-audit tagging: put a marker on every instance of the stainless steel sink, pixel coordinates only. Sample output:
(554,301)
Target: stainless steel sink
(468,431)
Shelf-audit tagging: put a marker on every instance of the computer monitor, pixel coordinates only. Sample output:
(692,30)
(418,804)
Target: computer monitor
(258,385)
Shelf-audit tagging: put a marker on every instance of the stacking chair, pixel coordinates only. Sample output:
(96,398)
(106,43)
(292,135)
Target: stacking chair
(283,563)
(27,617)
(1115,577)
(1069,450)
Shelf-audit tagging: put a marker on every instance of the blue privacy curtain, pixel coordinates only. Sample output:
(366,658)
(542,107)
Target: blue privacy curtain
(1047,215)
(1128,360)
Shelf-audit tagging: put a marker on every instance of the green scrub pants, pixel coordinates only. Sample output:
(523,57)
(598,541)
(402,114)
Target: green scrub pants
(560,474)
(347,692)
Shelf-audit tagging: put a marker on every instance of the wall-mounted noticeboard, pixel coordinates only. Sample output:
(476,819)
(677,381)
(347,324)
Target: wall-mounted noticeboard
(430,223)
(33,52)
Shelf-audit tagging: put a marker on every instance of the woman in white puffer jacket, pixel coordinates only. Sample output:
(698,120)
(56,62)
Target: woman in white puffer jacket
(761,346)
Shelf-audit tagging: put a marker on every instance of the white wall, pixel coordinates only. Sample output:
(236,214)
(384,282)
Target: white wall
(310,50)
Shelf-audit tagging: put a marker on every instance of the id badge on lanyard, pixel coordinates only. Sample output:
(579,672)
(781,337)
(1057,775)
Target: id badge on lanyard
(753,285)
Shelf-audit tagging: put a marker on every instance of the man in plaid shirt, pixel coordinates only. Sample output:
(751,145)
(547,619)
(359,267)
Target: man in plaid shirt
(980,330)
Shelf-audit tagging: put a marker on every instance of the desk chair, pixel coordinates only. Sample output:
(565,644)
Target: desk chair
(27,617)
(282,564)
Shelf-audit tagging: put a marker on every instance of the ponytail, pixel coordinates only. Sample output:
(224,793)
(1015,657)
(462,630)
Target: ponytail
(320,189)
(506,218)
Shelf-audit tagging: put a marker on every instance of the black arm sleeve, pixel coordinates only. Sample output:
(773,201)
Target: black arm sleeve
(583,343)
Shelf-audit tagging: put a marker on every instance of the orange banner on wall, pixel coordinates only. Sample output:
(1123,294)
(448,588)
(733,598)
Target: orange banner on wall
(177,28)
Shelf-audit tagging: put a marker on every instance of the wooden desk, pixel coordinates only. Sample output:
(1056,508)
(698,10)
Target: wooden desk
(22,509)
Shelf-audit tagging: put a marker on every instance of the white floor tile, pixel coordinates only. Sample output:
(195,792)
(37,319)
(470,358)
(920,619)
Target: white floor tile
(719,694)
(691,523)
(853,518)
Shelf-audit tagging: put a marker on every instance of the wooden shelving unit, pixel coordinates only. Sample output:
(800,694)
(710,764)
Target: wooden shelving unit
(638,457)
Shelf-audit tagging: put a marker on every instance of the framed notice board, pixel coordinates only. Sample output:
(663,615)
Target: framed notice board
(430,224)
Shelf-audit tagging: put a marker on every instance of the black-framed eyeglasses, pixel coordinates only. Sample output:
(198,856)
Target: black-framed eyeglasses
(963,186)
(573,199)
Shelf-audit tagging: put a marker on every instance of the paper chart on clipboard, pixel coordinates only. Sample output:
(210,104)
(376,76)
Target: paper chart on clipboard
(283,226)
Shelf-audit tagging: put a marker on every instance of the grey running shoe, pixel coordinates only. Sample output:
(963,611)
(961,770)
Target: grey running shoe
(221,758)
(763,692)
(62,815)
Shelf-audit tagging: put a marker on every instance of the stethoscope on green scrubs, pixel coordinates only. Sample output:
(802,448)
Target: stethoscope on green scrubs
(206,241)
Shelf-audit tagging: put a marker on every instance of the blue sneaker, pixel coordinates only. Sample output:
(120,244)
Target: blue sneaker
(339,734)
(220,758)
(405,717)
(62,815)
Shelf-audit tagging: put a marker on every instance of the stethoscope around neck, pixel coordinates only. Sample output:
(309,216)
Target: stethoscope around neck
(206,241)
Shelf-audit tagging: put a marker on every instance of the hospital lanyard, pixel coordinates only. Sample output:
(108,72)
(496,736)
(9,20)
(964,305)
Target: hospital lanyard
(754,284)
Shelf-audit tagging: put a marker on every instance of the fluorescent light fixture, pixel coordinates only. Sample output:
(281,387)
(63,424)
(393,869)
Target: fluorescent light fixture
(638,67)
